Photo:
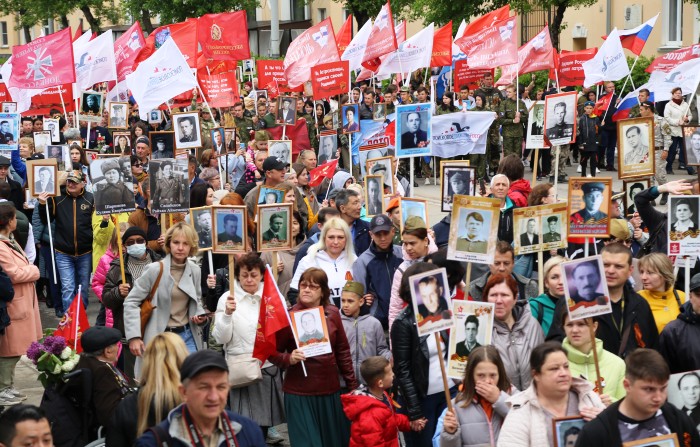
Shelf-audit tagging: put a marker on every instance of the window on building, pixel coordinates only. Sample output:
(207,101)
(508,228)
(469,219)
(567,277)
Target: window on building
(321,14)
(4,38)
(673,23)
(48,27)
(298,10)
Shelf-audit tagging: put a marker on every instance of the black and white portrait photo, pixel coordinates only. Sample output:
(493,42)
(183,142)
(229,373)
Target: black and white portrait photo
(560,118)
(186,126)
(635,143)
(327,147)
(585,287)
(155,116)
(9,131)
(473,327)
(535,127)
(229,226)
(274,228)
(286,110)
(42,140)
(367,154)
(122,142)
(201,219)
(379,111)
(249,66)
(218,140)
(43,178)
(117,115)
(632,188)
(551,229)
(529,232)
(456,179)
(684,215)
(112,185)
(162,145)
(430,297)
(374,188)
(61,154)
(9,107)
(91,104)
(691,143)
(280,149)
(51,125)
(170,186)
(684,394)
(381,166)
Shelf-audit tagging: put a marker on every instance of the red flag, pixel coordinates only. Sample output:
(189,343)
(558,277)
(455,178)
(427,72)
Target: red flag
(669,61)
(536,55)
(344,36)
(464,75)
(73,323)
(272,318)
(330,79)
(50,99)
(220,89)
(271,77)
(602,104)
(325,171)
(442,47)
(185,36)
(78,33)
(487,20)
(224,36)
(569,69)
(314,46)
(390,131)
(298,133)
(491,47)
(381,40)
(43,62)
(126,49)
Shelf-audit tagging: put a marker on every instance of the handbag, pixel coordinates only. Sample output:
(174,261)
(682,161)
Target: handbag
(243,370)
(147,304)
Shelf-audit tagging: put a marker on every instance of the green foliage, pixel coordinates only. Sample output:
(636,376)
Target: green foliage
(179,10)
(442,11)
(34,12)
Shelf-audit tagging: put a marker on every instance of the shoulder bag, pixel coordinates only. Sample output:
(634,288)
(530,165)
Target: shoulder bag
(147,304)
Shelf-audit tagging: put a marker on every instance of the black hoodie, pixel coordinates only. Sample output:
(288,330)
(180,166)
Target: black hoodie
(679,341)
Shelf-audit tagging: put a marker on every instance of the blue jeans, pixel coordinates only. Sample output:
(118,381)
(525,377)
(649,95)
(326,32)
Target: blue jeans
(74,271)
(188,337)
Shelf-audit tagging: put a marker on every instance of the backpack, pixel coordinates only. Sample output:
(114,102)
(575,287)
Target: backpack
(68,411)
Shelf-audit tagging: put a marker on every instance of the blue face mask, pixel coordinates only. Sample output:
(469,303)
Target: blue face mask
(136,250)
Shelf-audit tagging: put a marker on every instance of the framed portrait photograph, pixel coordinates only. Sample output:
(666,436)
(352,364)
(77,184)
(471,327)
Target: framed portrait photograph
(683,225)
(632,187)
(635,144)
(274,229)
(374,191)
(383,166)
(229,230)
(286,110)
(280,149)
(122,142)
(351,118)
(51,125)
(61,154)
(457,179)
(29,201)
(118,112)
(585,288)
(684,394)
(535,127)
(540,228)
(474,229)
(379,111)
(42,140)
(566,430)
(170,185)
(230,138)
(311,331)
(691,144)
(201,220)
(112,185)
(327,147)
(413,207)
(473,327)
(560,118)
(187,130)
(42,177)
(218,139)
(430,297)
(369,152)
(589,206)
(162,145)
(91,105)
(268,195)
(413,130)
(8,107)
(155,116)
(670,440)
(249,66)
(9,131)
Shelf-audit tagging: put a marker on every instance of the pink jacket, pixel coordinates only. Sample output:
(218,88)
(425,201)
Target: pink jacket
(98,281)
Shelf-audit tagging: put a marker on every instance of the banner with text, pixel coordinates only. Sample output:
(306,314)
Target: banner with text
(330,79)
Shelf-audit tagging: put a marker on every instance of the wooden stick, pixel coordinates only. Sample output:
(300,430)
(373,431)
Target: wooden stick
(210,257)
(115,219)
(598,383)
(163,224)
(534,166)
(540,271)
(275,274)
(48,227)
(231,261)
(448,397)
(468,279)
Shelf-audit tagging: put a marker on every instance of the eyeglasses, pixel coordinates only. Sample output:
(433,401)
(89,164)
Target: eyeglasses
(308,285)
(131,242)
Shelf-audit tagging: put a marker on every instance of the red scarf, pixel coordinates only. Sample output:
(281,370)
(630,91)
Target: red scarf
(486,405)
(677,101)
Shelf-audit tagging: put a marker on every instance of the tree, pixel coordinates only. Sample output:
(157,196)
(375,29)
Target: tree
(442,11)
(34,12)
(173,12)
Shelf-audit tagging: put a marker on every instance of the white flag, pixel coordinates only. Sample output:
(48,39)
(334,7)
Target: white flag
(686,76)
(461,133)
(161,77)
(457,53)
(609,64)
(354,52)
(412,54)
(94,61)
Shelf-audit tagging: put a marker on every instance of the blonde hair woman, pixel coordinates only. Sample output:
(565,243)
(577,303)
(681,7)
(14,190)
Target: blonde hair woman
(334,253)
(656,272)
(158,394)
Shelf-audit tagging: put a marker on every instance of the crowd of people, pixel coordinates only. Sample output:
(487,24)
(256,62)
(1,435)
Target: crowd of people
(187,375)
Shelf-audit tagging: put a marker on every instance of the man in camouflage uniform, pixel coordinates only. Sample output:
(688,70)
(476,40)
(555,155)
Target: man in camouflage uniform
(493,98)
(643,97)
(243,124)
(512,115)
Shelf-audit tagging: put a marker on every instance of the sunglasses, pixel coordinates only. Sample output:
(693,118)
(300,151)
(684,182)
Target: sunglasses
(131,242)
(137,165)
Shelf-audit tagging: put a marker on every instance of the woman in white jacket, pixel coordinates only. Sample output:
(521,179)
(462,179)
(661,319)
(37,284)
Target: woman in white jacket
(677,114)
(235,327)
(334,254)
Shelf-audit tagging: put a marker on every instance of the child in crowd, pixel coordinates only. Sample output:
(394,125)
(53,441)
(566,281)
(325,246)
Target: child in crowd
(365,334)
(587,139)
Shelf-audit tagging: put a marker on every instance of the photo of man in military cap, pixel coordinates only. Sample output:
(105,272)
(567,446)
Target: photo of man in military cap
(593,199)
(552,234)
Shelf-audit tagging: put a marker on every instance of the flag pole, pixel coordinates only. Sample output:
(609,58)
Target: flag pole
(63,104)
(77,318)
(48,226)
(286,313)
(628,78)
(206,104)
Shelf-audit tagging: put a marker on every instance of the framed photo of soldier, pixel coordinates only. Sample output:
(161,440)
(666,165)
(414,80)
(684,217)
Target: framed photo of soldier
(61,154)
(635,147)
(42,140)
(670,440)
(112,185)
(286,110)
(683,225)
(274,228)
(280,149)
(187,130)
(162,145)
(473,327)
(155,116)
(311,331)
(374,191)
(458,179)
(51,125)
(383,166)
(42,176)
(413,130)
(218,139)
(474,229)
(369,152)
(91,106)
(201,220)
(122,142)
(249,66)
(327,146)
(589,206)
(118,115)
(230,138)
(539,228)
(229,229)
(430,297)
(684,394)
(566,430)
(9,107)
(691,144)
(379,111)
(411,207)
(560,118)
(632,187)
(351,118)
(9,131)
(268,195)
(535,127)
(170,185)
(585,287)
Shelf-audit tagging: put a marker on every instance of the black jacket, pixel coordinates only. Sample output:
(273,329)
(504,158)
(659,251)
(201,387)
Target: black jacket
(653,219)
(362,239)
(638,322)
(411,361)
(220,262)
(442,231)
(73,217)
(222,285)
(683,331)
(604,431)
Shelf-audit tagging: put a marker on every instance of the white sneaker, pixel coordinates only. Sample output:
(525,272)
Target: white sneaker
(17,394)
(7,399)
(526,162)
(597,171)
(427,181)
(273,436)
(589,176)
(578,169)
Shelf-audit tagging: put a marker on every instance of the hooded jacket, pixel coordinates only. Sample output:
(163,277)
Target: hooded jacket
(519,191)
(505,222)
(612,368)
(336,269)
(339,180)
(374,423)
(375,270)
(683,331)
(366,339)
(542,309)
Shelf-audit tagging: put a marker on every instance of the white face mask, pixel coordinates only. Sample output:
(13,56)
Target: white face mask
(136,250)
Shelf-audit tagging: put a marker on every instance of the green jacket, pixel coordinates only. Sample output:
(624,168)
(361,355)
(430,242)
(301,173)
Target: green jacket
(506,114)
(243,127)
(545,303)
(612,368)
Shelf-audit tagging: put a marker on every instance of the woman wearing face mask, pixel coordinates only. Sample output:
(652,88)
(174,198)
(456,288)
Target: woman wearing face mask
(136,258)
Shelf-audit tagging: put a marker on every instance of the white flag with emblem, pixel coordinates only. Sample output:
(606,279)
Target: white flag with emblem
(609,64)
(354,52)
(686,76)
(411,55)
(460,133)
(94,61)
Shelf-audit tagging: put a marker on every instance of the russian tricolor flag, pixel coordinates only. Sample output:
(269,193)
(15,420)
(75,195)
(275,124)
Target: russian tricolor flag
(635,38)
(628,102)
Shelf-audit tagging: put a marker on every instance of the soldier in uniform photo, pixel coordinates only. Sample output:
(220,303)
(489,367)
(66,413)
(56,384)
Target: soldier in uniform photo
(168,188)
(112,191)
(474,242)
(560,129)
(161,150)
(530,237)
(230,233)
(593,198)
(188,129)
(310,327)
(586,279)
(118,116)
(552,235)
(204,229)
(636,150)
(471,329)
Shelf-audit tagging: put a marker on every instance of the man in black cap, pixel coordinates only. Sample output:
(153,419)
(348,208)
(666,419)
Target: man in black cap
(552,235)
(274,171)
(203,415)
(593,198)
(17,192)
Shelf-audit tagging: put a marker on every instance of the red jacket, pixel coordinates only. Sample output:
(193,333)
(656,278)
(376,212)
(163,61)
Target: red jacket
(374,424)
(519,191)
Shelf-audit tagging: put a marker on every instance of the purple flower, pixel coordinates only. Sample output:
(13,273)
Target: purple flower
(34,352)
(54,344)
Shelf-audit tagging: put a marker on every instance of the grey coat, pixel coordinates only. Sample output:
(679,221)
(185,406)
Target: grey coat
(474,428)
(366,339)
(527,288)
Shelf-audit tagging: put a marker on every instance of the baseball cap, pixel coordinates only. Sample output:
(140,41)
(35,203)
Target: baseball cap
(75,176)
(271,163)
(380,222)
(201,360)
(695,282)
(4,161)
(404,89)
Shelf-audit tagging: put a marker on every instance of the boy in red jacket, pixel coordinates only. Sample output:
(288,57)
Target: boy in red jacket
(371,411)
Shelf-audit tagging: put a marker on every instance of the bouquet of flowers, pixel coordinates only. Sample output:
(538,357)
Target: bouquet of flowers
(53,358)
